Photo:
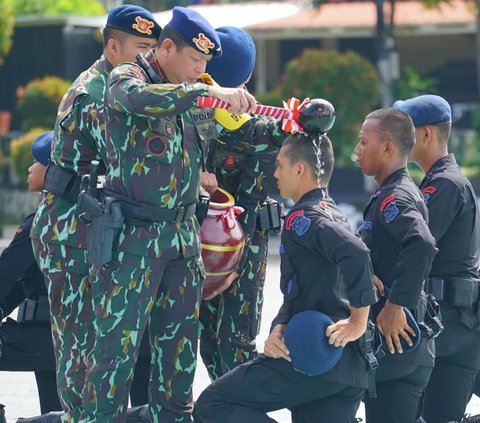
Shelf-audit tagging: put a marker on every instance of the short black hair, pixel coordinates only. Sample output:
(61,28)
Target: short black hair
(395,125)
(109,33)
(443,131)
(169,32)
(316,152)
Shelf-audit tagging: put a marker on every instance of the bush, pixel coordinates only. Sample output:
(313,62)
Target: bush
(21,152)
(38,101)
(349,81)
(6,27)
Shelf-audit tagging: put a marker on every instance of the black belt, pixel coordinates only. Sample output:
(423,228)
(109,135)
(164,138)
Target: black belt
(63,183)
(34,309)
(135,211)
(458,291)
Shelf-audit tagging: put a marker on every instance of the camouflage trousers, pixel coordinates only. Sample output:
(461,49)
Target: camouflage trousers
(129,292)
(70,296)
(230,322)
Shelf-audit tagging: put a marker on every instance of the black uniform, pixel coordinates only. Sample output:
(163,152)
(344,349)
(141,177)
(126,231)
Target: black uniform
(27,342)
(402,249)
(454,221)
(317,246)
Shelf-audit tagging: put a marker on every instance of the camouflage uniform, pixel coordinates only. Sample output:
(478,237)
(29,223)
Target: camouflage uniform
(231,320)
(58,235)
(155,156)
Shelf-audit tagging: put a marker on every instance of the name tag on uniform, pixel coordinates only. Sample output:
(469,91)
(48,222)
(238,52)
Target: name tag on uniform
(204,123)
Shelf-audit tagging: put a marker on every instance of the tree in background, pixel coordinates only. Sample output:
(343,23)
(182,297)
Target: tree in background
(58,7)
(38,101)
(6,27)
(349,81)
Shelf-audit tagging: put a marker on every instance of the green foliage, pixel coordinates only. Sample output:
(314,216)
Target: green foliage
(38,101)
(21,152)
(412,84)
(349,81)
(6,27)
(58,7)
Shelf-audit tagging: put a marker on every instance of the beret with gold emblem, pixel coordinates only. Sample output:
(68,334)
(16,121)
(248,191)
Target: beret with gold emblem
(135,20)
(195,30)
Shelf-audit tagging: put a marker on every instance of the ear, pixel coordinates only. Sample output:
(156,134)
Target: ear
(427,134)
(300,168)
(389,148)
(168,46)
(112,45)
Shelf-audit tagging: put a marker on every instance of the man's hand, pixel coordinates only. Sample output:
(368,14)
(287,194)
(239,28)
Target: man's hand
(378,285)
(208,181)
(240,101)
(344,331)
(275,344)
(392,323)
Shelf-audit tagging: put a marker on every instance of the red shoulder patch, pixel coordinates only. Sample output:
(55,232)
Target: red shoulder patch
(292,217)
(19,231)
(429,190)
(387,201)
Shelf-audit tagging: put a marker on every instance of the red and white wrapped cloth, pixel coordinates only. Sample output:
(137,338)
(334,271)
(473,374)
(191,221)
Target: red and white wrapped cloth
(289,113)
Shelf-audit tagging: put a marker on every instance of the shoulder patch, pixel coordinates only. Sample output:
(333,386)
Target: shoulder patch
(427,193)
(19,230)
(298,222)
(138,73)
(387,201)
(390,212)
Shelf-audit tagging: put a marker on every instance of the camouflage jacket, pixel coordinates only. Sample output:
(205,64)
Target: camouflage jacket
(78,139)
(155,153)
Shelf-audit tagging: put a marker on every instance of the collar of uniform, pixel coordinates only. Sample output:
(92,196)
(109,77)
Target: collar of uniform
(314,194)
(150,58)
(398,174)
(105,65)
(439,165)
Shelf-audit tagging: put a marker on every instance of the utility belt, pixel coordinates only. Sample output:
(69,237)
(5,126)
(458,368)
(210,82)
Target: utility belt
(269,216)
(456,291)
(34,309)
(136,212)
(106,211)
(63,183)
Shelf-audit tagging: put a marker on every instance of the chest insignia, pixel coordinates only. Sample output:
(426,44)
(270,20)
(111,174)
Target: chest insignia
(229,161)
(367,225)
(156,146)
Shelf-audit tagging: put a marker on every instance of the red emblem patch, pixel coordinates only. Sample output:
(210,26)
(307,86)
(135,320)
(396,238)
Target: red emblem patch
(169,129)
(203,43)
(229,161)
(386,202)
(292,217)
(143,25)
(429,190)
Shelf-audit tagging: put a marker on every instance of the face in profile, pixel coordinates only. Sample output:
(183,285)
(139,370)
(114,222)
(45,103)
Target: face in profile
(368,149)
(286,173)
(36,176)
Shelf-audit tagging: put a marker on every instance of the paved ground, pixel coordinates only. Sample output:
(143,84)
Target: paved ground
(18,390)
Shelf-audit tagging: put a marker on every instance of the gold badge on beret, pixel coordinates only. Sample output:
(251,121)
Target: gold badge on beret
(203,43)
(143,25)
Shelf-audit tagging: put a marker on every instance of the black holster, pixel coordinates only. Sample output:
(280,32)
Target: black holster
(102,232)
(428,316)
(202,205)
(269,216)
(370,347)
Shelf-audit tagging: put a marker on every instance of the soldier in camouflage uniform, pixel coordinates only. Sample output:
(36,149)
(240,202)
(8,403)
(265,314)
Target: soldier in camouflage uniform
(155,151)
(58,235)
(231,321)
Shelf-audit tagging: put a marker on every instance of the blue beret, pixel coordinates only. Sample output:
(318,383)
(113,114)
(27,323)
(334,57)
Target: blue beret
(375,310)
(195,30)
(42,147)
(426,109)
(135,20)
(308,345)
(236,64)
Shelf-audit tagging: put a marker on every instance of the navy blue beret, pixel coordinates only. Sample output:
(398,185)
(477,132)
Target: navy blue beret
(375,310)
(236,64)
(308,345)
(41,148)
(135,20)
(426,109)
(195,30)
